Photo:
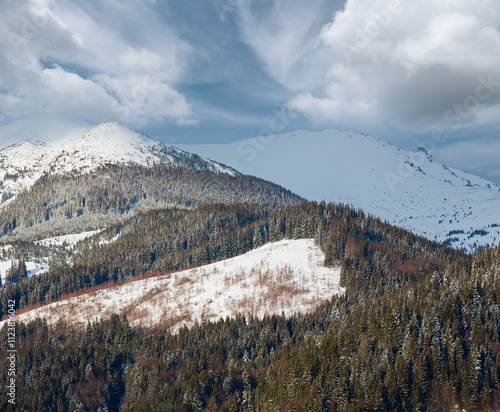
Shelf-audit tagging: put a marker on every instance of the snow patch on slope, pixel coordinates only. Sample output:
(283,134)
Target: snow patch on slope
(33,268)
(286,276)
(68,240)
(39,263)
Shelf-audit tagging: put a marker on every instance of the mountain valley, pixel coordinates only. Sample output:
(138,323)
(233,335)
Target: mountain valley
(143,277)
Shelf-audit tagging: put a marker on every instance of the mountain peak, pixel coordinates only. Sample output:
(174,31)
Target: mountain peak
(64,144)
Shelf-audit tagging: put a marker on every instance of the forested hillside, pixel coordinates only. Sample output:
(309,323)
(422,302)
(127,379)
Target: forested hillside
(156,241)
(72,203)
(417,329)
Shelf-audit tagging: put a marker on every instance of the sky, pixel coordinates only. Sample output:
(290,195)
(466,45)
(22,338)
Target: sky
(416,74)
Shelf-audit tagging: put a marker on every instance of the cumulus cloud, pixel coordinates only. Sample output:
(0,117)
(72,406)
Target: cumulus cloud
(57,56)
(385,63)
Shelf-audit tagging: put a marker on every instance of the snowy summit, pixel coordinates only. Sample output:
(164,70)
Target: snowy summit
(31,147)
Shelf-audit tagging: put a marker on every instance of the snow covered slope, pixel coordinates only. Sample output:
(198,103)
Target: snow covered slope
(407,188)
(286,276)
(33,146)
(33,268)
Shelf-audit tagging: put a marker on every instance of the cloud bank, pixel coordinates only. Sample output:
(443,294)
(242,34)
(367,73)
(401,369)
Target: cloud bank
(383,64)
(98,60)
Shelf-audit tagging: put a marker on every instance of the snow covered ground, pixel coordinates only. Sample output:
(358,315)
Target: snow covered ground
(69,240)
(286,276)
(33,268)
(41,266)
(408,188)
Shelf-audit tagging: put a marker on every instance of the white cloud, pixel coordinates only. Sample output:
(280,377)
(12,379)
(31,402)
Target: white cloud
(324,112)
(283,34)
(141,98)
(387,62)
(56,56)
(413,62)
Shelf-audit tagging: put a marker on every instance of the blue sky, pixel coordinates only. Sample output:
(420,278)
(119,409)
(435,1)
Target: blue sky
(421,73)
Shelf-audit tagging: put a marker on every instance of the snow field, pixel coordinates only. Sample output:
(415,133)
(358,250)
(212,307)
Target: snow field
(33,268)
(69,240)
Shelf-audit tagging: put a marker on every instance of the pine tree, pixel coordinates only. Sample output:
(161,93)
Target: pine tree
(12,275)
(257,238)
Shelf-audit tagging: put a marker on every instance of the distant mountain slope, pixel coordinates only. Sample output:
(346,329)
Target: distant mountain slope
(407,188)
(68,176)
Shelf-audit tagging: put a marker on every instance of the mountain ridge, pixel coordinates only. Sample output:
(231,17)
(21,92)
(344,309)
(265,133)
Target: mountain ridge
(407,188)
(68,176)
(62,145)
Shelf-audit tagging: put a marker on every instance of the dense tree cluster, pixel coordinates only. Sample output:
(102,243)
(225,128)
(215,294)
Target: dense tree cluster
(17,272)
(62,204)
(418,327)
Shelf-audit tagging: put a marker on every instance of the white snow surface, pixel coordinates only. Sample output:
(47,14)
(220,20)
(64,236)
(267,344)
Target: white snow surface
(33,268)
(41,266)
(407,188)
(60,144)
(69,240)
(286,276)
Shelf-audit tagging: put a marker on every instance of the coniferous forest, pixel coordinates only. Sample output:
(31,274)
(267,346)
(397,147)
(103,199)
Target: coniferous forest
(417,329)
(74,202)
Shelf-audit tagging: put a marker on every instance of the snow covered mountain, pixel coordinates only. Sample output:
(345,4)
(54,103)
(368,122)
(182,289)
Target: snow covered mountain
(407,188)
(36,145)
